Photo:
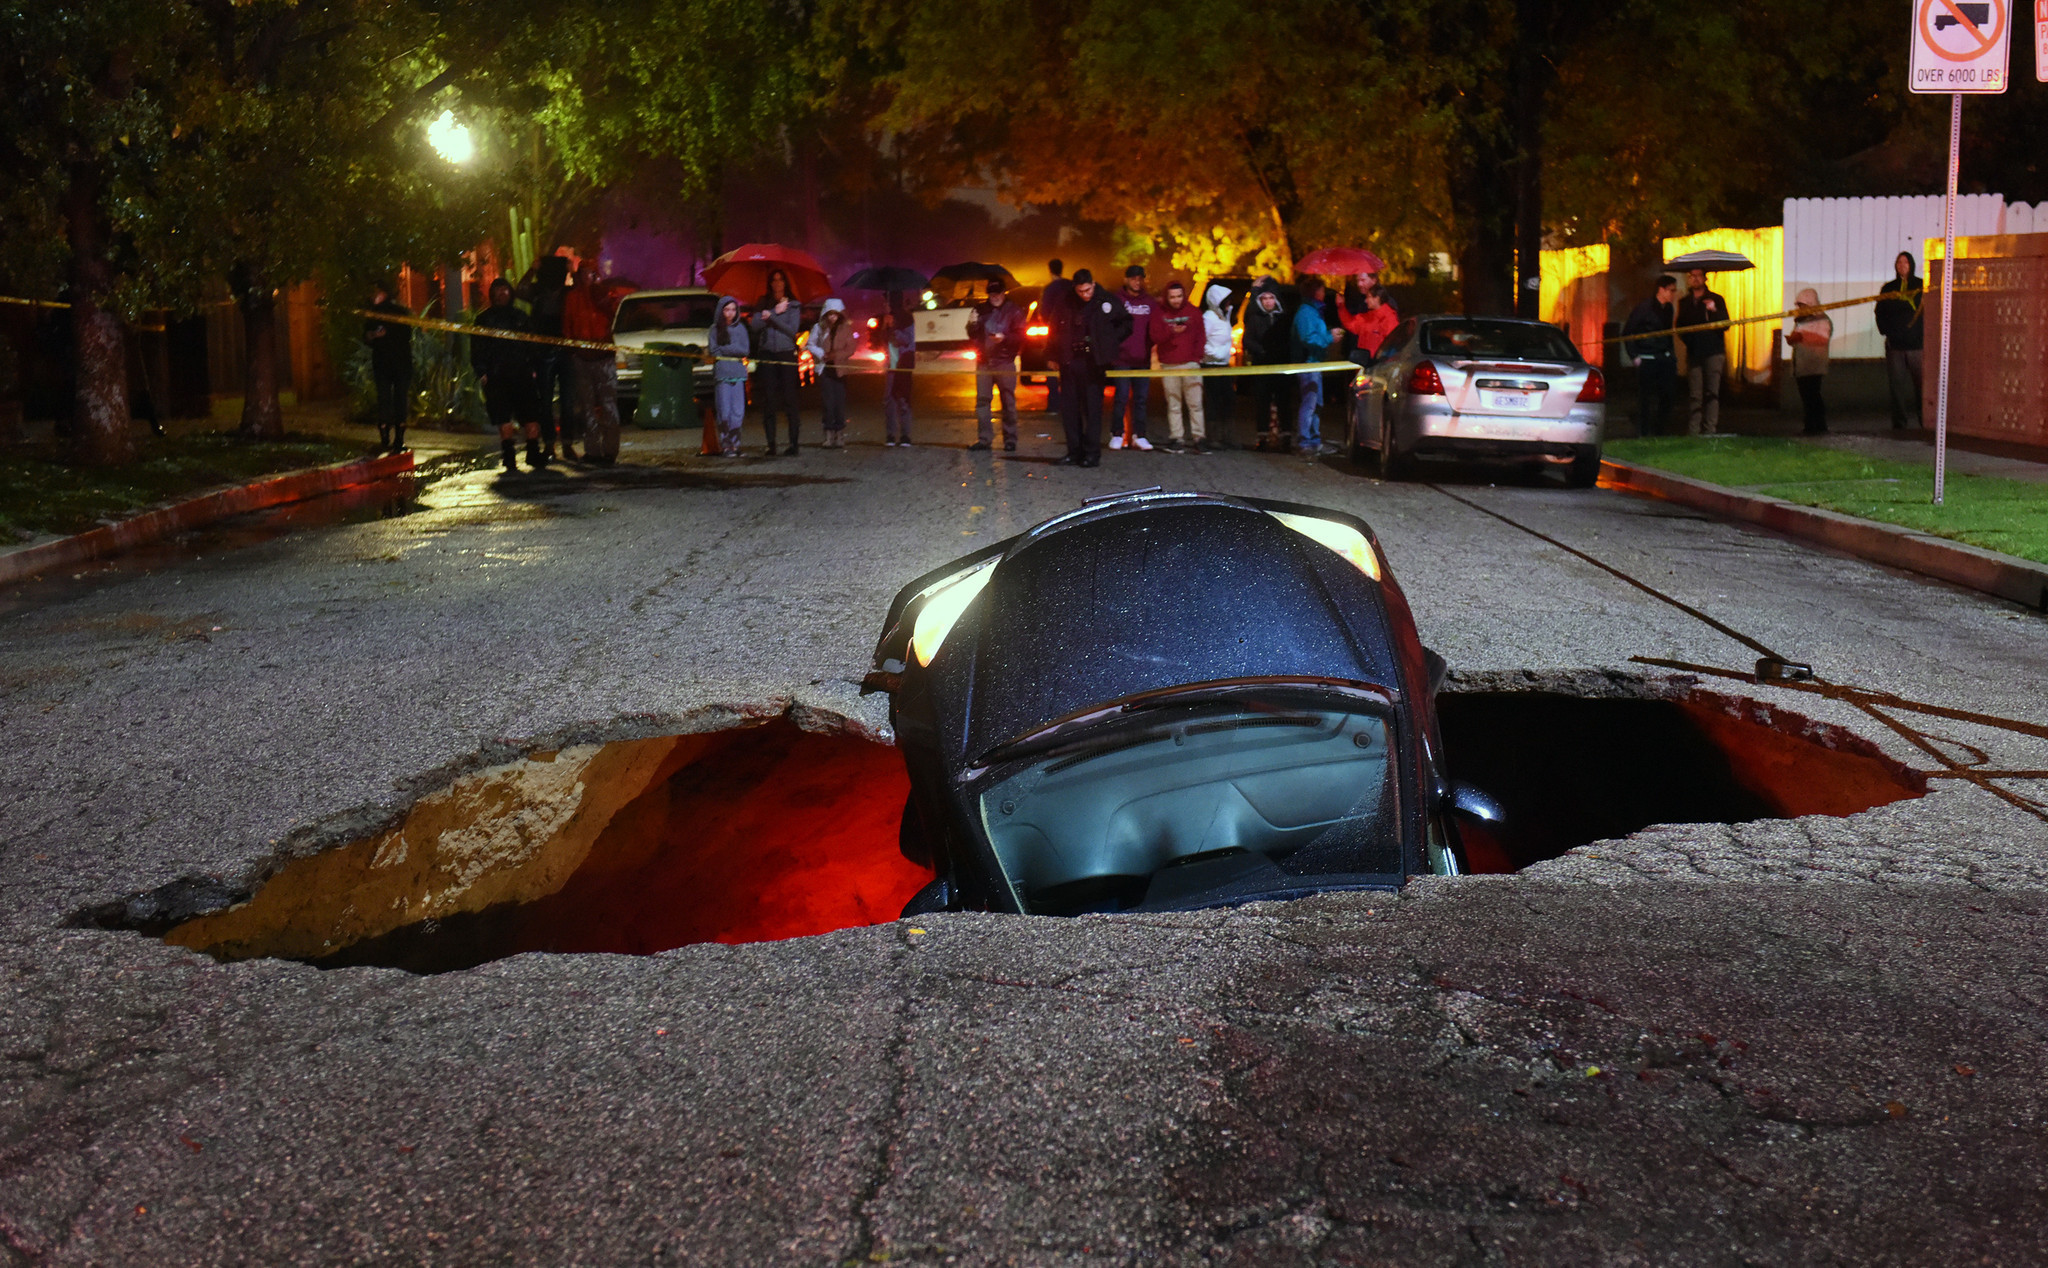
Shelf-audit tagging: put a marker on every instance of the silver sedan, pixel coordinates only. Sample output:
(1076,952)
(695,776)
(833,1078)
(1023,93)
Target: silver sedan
(1496,388)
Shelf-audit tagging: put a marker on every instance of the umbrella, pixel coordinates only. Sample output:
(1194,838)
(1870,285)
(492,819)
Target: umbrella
(1340,262)
(887,277)
(743,271)
(974,271)
(1710,262)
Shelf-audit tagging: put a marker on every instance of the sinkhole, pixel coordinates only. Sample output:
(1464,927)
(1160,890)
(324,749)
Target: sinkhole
(768,831)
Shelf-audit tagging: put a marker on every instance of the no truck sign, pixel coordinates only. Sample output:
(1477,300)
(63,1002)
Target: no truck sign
(1960,45)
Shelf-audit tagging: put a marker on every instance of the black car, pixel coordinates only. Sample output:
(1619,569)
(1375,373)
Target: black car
(1165,701)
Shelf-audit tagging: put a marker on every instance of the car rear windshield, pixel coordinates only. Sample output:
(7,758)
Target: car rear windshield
(665,312)
(1200,806)
(1478,338)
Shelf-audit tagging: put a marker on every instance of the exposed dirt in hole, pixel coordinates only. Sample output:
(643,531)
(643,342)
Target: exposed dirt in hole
(768,831)
(1570,769)
(637,846)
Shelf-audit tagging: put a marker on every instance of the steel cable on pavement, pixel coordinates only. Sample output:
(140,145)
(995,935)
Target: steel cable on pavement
(1869,702)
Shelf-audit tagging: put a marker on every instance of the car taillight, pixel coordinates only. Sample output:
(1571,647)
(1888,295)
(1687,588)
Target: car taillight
(1425,381)
(1038,332)
(1595,390)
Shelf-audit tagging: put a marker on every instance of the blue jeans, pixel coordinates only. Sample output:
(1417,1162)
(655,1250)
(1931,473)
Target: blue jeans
(1139,393)
(1308,423)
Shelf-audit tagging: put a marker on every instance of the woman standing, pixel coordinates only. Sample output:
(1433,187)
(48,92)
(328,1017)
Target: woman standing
(832,346)
(1812,331)
(777,318)
(729,348)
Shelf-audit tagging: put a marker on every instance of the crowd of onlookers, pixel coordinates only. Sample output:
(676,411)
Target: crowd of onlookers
(1648,343)
(1104,348)
(521,380)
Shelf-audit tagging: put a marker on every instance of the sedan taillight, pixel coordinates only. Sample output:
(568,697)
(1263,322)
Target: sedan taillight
(1425,381)
(1595,390)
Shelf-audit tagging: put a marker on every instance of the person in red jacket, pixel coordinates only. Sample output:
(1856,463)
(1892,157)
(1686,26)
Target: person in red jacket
(1369,318)
(587,314)
(1175,329)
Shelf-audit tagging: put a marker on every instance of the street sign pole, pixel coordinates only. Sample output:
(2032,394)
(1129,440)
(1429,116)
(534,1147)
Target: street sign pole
(1948,292)
(1959,47)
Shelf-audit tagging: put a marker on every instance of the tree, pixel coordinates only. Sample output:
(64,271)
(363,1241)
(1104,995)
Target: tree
(1219,130)
(85,130)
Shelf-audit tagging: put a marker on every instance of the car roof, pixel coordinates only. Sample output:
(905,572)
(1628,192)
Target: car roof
(1222,590)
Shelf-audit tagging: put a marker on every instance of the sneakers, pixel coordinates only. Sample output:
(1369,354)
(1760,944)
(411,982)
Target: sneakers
(981,445)
(891,442)
(1174,446)
(1116,442)
(1141,443)
(790,452)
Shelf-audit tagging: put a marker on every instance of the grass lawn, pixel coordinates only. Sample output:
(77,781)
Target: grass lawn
(39,494)
(1997,514)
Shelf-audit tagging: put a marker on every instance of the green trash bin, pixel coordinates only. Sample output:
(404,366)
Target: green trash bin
(666,385)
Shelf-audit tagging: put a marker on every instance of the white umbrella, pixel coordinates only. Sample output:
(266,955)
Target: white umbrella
(1711,262)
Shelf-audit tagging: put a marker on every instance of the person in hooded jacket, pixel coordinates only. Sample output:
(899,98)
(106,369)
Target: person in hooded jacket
(832,346)
(777,318)
(1268,340)
(1176,331)
(1216,353)
(1900,321)
(729,349)
(504,370)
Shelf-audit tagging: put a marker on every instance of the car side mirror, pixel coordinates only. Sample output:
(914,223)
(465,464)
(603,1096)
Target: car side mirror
(1471,802)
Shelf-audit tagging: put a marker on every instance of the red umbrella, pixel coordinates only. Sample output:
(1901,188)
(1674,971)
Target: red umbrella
(743,271)
(1340,262)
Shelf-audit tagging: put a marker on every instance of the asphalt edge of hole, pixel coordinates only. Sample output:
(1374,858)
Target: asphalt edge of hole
(155,912)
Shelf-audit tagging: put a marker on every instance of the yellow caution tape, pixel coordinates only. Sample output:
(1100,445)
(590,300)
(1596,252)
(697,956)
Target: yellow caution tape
(1790,312)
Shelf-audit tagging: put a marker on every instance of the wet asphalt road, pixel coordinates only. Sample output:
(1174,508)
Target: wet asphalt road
(1816,1041)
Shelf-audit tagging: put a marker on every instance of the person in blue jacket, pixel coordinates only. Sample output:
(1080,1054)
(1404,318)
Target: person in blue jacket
(1311,343)
(730,347)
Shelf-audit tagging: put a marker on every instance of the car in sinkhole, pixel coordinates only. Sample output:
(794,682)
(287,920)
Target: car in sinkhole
(1167,701)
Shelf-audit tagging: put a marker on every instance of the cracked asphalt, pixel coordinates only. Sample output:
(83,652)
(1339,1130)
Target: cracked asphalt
(1783,1042)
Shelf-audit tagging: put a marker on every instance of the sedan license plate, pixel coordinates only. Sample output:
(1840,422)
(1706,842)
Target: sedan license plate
(1496,399)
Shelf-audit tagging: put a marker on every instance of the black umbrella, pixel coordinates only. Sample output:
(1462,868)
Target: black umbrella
(973,271)
(887,277)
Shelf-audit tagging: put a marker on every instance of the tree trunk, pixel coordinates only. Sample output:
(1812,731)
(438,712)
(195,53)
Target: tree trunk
(100,434)
(1267,153)
(1531,74)
(1483,198)
(262,415)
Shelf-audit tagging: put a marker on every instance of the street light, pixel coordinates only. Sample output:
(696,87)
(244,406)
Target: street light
(451,140)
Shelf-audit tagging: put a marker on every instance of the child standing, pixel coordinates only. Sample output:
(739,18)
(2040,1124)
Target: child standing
(1812,332)
(729,348)
(832,346)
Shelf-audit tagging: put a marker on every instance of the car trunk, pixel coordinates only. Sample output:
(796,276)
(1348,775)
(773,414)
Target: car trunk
(1512,389)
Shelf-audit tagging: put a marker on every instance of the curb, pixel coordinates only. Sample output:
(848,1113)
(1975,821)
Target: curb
(2020,581)
(110,539)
